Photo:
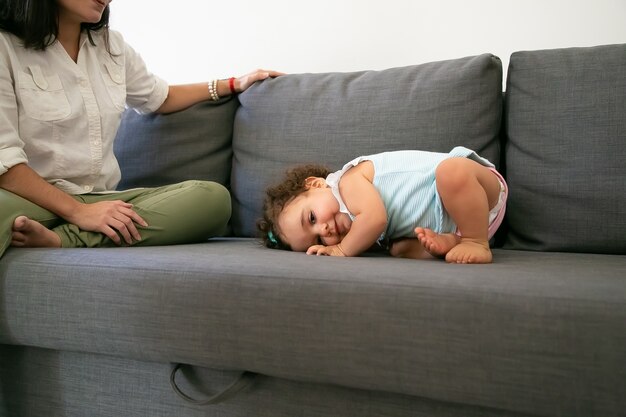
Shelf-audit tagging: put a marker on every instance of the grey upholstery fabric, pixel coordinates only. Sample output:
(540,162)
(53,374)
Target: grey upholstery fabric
(521,334)
(195,144)
(566,127)
(46,383)
(332,118)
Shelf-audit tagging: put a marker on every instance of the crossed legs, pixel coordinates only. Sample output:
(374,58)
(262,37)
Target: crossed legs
(190,211)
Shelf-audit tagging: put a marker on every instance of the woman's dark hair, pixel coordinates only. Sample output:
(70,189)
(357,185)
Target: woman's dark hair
(277,197)
(36,22)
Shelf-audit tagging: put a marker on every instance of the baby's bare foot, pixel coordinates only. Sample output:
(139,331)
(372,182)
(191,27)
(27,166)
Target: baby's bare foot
(28,233)
(470,251)
(436,244)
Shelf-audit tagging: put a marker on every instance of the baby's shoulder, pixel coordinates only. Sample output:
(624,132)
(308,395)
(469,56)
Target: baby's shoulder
(362,170)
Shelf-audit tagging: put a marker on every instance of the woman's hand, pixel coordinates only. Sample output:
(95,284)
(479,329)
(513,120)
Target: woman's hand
(245,81)
(180,97)
(112,218)
(319,250)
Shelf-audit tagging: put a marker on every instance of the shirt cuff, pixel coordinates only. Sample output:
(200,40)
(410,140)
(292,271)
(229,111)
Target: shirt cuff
(157,98)
(11,157)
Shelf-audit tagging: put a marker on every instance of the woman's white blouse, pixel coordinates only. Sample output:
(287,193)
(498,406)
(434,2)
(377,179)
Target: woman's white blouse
(61,117)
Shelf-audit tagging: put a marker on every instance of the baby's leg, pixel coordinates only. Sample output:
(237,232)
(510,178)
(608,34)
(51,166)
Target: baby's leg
(408,248)
(468,190)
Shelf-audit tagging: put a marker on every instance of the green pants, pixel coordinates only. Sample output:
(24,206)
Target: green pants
(187,212)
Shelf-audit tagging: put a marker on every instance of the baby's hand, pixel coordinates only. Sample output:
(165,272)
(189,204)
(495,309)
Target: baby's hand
(320,250)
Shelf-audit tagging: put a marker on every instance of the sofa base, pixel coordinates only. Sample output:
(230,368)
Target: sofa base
(42,382)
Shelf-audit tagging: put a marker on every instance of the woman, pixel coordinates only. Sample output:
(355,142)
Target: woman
(64,82)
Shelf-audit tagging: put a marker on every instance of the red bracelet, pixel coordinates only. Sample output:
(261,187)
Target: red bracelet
(231,85)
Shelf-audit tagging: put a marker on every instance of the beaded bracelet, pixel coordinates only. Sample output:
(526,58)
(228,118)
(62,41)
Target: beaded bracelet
(213,90)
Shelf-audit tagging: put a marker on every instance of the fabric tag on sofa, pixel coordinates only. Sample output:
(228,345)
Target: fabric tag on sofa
(332,118)
(565,118)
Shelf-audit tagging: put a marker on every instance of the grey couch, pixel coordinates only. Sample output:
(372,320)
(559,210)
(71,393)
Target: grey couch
(257,332)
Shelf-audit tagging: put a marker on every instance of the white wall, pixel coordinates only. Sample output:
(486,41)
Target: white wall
(197,40)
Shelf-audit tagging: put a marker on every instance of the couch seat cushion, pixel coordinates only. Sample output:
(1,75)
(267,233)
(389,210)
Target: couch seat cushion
(540,333)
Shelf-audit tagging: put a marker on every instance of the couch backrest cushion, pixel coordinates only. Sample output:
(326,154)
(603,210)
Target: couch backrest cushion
(565,118)
(332,118)
(195,143)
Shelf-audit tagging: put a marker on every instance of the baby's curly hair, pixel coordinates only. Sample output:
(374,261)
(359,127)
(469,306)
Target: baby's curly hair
(277,196)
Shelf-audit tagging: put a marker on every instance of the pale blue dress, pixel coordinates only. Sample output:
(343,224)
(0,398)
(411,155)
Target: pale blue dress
(406,183)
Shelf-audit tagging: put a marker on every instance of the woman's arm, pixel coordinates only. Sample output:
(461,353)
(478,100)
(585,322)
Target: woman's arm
(180,97)
(107,217)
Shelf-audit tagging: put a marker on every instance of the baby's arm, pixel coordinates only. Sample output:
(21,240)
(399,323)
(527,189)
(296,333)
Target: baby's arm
(364,201)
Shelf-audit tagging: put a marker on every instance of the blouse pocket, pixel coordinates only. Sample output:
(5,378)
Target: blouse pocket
(116,84)
(43,96)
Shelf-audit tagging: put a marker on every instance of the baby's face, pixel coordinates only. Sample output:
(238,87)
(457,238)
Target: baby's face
(313,218)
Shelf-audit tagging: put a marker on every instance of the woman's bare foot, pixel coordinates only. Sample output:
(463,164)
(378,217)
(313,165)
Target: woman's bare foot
(470,251)
(436,244)
(28,233)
